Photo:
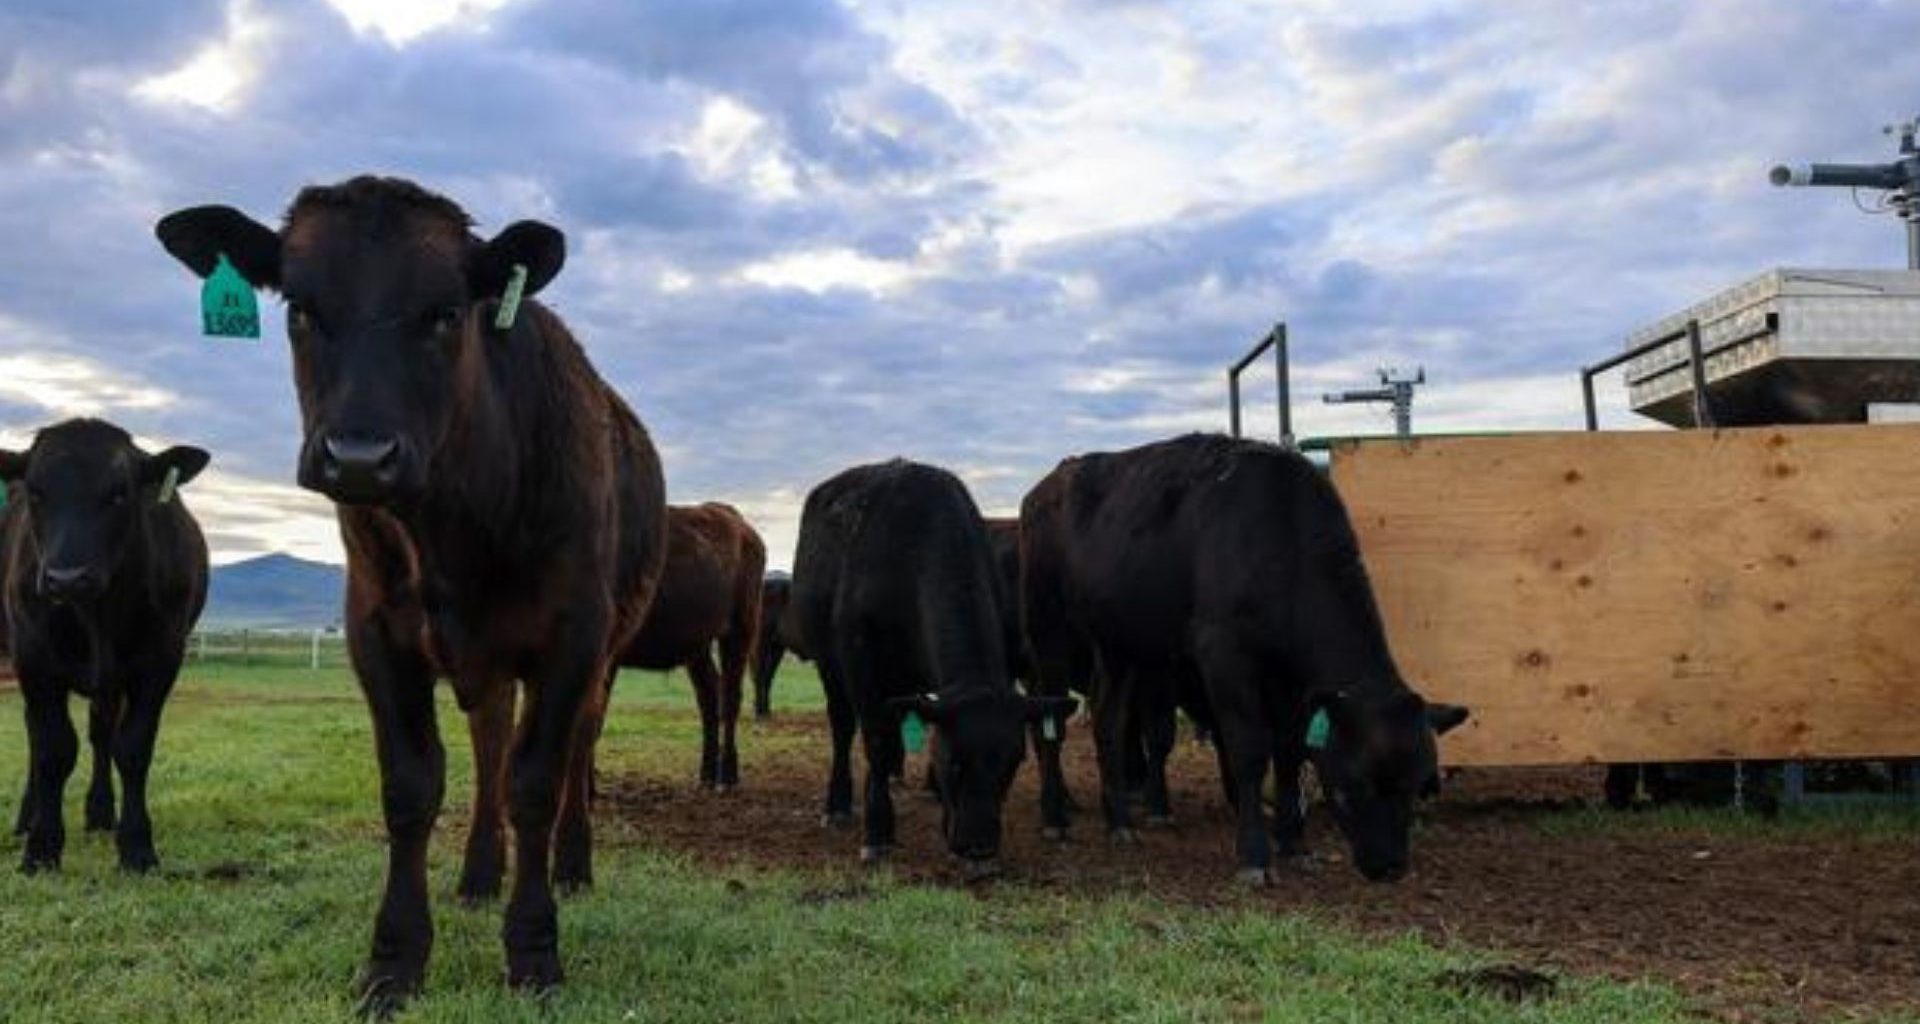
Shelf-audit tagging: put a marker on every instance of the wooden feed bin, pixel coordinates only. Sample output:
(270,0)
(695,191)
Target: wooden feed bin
(1652,596)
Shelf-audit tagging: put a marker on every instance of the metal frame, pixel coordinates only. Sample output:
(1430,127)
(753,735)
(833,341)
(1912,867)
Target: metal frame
(1275,339)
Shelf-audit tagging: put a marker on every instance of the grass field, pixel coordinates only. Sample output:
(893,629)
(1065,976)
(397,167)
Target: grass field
(266,818)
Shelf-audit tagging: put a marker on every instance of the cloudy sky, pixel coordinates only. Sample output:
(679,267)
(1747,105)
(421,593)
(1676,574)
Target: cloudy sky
(982,233)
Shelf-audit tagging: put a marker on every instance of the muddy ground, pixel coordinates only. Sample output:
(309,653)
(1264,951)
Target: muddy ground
(1756,927)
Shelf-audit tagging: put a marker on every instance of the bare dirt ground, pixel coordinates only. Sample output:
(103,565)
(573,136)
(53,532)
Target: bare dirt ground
(1756,927)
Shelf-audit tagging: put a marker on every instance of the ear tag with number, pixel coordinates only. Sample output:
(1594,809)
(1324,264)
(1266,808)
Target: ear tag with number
(228,308)
(913,732)
(1049,728)
(1318,731)
(168,484)
(510,299)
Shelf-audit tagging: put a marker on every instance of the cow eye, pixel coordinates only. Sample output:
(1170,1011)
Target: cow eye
(299,319)
(447,319)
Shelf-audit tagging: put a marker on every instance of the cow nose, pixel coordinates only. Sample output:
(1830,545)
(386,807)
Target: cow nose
(359,468)
(68,584)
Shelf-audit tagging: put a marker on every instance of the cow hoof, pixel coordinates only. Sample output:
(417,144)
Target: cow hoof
(837,819)
(139,863)
(1159,821)
(1252,878)
(383,989)
(100,822)
(1054,833)
(476,895)
(31,865)
(874,854)
(723,788)
(536,974)
(1123,837)
(979,870)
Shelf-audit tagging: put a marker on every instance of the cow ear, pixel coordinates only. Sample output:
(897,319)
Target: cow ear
(188,460)
(541,248)
(198,236)
(1051,707)
(13,466)
(1445,717)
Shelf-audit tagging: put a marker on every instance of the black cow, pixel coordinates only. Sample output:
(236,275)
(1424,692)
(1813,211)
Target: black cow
(894,594)
(504,519)
(775,591)
(104,573)
(1224,574)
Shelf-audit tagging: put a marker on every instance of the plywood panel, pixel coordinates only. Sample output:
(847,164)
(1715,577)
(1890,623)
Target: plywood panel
(1652,596)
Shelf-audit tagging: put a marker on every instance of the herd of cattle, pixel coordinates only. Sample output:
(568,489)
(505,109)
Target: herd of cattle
(505,522)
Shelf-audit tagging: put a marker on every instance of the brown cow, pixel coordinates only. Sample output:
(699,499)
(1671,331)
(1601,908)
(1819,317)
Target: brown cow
(503,515)
(709,593)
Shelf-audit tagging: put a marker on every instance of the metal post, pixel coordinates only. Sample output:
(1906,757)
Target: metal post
(1233,400)
(314,662)
(1282,384)
(1702,410)
(1586,392)
(1913,233)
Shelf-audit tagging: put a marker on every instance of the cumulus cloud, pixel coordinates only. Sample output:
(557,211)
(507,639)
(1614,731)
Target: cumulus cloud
(807,233)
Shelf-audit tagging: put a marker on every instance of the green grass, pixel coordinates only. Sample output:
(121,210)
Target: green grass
(264,799)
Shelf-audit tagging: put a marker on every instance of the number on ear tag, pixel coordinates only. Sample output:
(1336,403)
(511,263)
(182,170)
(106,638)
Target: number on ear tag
(227,306)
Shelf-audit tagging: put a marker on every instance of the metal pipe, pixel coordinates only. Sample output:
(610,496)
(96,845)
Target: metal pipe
(1702,410)
(1586,392)
(1284,386)
(1233,400)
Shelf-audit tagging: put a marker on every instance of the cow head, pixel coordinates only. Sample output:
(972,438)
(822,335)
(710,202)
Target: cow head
(390,300)
(85,484)
(982,740)
(1378,756)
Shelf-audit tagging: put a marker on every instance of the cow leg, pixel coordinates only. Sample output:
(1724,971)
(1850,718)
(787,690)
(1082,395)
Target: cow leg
(839,810)
(133,742)
(102,715)
(1290,804)
(23,821)
(52,749)
(573,828)
(1054,802)
(763,673)
(560,707)
(1112,709)
(490,726)
(706,693)
(734,649)
(1244,734)
(1157,728)
(398,687)
(885,754)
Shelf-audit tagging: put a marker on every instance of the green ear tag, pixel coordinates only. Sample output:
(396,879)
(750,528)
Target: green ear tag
(913,732)
(1318,730)
(227,306)
(168,483)
(1049,729)
(510,299)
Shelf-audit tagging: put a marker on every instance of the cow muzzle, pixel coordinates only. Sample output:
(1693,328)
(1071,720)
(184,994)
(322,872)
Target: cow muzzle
(355,469)
(65,585)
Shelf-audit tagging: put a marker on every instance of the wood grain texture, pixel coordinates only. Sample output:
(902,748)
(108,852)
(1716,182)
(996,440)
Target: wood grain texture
(1652,596)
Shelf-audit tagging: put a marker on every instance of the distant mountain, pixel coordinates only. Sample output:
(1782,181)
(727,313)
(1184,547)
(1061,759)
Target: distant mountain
(275,592)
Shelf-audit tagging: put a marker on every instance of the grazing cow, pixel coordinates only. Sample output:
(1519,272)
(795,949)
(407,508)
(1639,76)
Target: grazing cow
(894,593)
(105,573)
(1222,573)
(774,594)
(503,515)
(709,593)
